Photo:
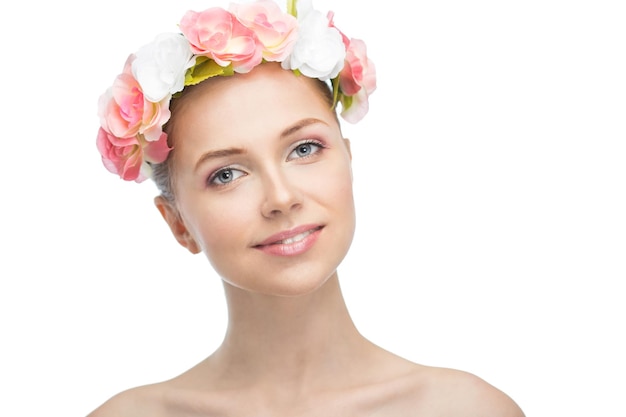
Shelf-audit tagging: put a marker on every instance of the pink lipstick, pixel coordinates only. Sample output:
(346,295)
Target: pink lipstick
(291,242)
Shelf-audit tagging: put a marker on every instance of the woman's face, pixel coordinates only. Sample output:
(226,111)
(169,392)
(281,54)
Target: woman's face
(263,182)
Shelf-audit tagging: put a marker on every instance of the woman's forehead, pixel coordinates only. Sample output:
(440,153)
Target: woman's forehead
(263,101)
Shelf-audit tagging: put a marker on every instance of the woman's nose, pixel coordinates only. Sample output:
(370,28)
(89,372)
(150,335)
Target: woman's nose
(280,195)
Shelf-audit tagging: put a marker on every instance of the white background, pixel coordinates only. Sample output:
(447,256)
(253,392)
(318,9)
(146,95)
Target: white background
(490,178)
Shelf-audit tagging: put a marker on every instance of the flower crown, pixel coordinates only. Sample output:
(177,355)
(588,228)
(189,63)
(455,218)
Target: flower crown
(223,42)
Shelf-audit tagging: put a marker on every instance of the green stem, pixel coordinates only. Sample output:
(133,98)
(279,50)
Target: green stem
(291,8)
(335,84)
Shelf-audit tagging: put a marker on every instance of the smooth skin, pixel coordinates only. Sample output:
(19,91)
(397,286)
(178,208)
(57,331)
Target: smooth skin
(257,155)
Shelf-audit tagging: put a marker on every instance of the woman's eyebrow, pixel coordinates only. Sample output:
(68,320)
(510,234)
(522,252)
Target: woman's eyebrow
(299,125)
(218,153)
(221,153)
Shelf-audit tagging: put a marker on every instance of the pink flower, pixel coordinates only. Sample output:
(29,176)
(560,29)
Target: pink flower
(217,34)
(125,112)
(275,29)
(355,107)
(120,156)
(127,157)
(357,79)
(156,152)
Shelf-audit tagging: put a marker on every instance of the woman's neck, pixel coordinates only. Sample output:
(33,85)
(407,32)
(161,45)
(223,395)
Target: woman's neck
(302,341)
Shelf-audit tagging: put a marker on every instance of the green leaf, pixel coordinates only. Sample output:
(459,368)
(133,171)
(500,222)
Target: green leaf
(205,68)
(346,101)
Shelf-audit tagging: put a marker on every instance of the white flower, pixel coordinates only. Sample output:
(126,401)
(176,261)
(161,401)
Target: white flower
(319,51)
(160,66)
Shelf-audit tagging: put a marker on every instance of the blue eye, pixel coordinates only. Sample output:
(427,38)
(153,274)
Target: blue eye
(305,149)
(225,176)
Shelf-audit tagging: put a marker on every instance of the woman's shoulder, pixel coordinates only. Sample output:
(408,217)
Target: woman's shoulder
(169,398)
(403,387)
(458,393)
(139,401)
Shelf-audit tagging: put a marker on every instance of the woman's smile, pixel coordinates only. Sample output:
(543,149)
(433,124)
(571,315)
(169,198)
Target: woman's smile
(291,242)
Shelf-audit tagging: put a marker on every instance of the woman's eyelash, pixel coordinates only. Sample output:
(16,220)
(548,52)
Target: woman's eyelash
(224,176)
(306,148)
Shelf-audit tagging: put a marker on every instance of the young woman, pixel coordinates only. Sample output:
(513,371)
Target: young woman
(238,128)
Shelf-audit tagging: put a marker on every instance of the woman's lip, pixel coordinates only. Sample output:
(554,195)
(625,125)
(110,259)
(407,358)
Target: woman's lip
(278,238)
(291,243)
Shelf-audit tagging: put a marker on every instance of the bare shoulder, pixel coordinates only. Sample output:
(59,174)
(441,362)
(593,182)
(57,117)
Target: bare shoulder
(135,402)
(171,398)
(412,389)
(459,393)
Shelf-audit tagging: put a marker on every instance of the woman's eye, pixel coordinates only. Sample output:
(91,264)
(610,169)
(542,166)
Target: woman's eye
(305,149)
(225,176)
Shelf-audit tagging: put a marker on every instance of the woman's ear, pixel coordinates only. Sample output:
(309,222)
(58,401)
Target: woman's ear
(177,226)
